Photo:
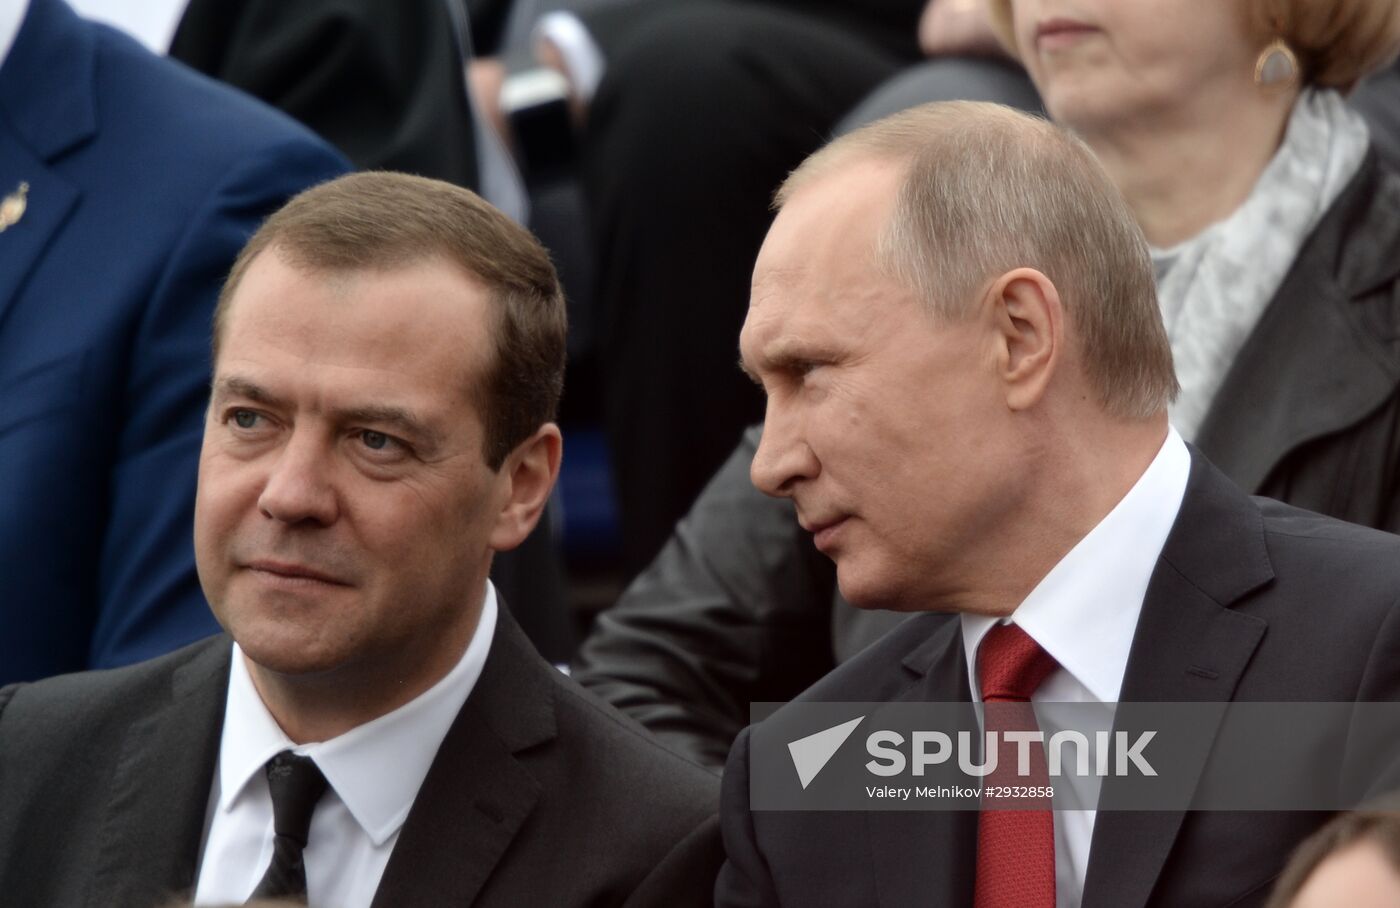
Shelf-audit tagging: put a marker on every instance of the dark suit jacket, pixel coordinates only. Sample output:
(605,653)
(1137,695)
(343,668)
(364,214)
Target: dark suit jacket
(1310,411)
(1378,98)
(144,182)
(740,607)
(889,24)
(382,80)
(1251,600)
(539,794)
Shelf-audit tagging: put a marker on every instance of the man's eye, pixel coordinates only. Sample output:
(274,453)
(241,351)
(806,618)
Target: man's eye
(245,419)
(383,445)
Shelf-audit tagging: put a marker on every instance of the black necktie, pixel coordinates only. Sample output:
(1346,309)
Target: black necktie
(296,785)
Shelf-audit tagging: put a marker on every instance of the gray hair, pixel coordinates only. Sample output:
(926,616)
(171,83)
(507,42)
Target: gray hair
(986,190)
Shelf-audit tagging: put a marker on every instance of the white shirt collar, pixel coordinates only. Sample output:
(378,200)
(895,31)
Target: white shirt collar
(1084,612)
(377,768)
(11,17)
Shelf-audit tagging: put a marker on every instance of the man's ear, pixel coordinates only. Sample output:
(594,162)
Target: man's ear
(529,473)
(1029,321)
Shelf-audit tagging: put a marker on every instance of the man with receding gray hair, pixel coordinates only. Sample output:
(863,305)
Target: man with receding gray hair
(954,323)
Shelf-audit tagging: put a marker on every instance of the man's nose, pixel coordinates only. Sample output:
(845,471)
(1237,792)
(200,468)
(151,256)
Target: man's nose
(783,456)
(299,487)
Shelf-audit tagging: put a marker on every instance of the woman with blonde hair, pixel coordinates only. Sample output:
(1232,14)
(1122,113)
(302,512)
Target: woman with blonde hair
(1274,227)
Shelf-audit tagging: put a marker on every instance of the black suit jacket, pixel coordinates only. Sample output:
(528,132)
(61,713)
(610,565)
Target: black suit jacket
(382,80)
(539,794)
(1310,411)
(889,24)
(1251,600)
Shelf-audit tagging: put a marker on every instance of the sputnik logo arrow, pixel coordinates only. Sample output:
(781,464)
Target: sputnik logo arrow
(811,753)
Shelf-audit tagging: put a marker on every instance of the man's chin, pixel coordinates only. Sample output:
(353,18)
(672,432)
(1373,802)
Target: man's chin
(869,590)
(865,593)
(281,651)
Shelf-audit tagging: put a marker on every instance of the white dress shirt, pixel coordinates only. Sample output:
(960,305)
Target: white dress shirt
(1084,613)
(11,16)
(374,771)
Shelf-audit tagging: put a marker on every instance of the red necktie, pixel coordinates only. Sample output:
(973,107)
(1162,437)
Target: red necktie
(1015,848)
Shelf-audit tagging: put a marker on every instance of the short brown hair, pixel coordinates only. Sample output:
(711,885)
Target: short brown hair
(988,190)
(1337,42)
(1378,825)
(380,220)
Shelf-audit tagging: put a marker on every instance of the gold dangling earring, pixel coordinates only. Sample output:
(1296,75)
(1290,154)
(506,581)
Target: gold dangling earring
(1277,66)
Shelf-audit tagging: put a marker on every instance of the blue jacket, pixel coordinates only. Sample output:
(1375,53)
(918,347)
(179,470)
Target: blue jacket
(142,180)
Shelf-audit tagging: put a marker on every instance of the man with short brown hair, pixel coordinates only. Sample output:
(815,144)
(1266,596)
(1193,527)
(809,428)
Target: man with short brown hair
(388,357)
(341,227)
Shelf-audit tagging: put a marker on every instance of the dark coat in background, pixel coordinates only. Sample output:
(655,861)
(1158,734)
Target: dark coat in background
(382,80)
(705,107)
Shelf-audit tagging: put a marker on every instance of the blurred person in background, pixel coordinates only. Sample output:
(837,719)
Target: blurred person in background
(1276,234)
(1352,862)
(127,186)
(1272,222)
(382,80)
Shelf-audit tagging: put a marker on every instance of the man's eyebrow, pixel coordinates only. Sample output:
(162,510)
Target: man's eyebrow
(237,386)
(400,419)
(788,355)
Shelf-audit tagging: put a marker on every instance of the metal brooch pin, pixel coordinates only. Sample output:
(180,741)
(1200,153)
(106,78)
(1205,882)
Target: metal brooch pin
(12,208)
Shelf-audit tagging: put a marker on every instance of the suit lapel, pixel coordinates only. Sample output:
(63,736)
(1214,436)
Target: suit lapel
(49,199)
(46,109)
(1336,371)
(1189,646)
(160,787)
(477,793)
(927,857)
